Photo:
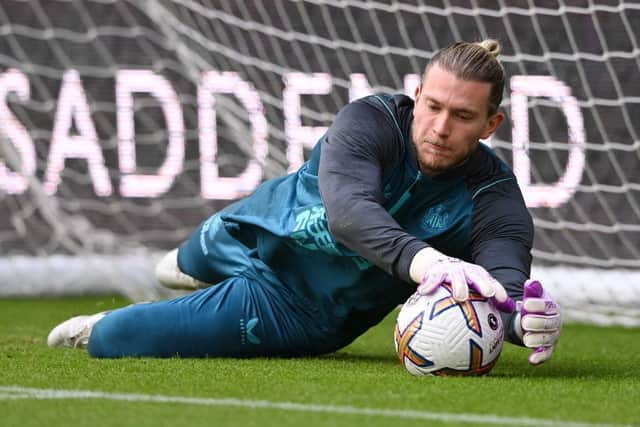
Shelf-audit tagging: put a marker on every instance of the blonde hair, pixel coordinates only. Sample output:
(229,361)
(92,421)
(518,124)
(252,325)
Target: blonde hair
(474,61)
(492,46)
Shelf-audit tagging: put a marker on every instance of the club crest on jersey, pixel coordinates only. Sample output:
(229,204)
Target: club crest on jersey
(436,217)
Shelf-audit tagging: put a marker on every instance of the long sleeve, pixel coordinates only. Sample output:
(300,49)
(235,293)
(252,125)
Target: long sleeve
(361,142)
(502,240)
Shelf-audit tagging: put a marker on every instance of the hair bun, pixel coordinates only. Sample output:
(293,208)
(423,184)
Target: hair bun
(492,46)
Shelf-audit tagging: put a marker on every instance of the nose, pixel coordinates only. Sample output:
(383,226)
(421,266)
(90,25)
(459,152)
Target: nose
(442,125)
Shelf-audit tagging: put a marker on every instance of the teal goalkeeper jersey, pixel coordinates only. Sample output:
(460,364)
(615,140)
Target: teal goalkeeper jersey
(340,233)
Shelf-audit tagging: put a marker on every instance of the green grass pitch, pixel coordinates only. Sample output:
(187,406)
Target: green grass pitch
(593,379)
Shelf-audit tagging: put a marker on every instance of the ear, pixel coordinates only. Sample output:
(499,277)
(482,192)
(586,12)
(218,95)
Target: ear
(416,98)
(416,94)
(493,123)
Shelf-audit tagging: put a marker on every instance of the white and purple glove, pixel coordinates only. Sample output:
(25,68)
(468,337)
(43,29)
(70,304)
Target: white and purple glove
(538,322)
(430,268)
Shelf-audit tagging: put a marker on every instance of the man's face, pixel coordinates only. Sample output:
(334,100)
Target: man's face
(449,118)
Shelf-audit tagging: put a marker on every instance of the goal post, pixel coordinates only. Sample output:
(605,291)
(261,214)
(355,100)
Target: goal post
(124,124)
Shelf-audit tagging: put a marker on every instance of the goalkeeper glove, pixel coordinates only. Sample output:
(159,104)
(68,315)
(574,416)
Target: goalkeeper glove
(538,322)
(430,268)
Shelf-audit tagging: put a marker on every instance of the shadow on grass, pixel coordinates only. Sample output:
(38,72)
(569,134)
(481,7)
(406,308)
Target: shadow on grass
(344,356)
(588,369)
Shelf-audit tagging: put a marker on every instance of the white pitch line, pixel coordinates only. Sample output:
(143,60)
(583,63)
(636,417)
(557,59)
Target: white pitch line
(17,392)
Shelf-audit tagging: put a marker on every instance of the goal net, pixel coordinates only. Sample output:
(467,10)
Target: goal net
(123,124)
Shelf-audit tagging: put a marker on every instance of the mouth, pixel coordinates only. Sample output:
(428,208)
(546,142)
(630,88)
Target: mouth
(435,146)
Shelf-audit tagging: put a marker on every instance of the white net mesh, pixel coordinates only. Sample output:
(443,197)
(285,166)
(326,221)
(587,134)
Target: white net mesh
(124,124)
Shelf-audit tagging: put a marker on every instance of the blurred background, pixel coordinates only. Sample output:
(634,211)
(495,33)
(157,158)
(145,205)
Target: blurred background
(124,124)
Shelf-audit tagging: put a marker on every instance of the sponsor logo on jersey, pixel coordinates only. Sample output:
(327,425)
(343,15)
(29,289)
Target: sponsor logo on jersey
(312,232)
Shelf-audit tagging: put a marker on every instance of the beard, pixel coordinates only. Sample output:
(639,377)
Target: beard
(436,157)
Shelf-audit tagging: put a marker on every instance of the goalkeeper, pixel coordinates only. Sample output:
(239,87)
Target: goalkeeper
(396,195)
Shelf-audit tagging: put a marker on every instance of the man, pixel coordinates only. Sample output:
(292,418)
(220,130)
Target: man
(396,194)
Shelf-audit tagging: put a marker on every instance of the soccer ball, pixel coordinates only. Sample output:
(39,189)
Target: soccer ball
(436,335)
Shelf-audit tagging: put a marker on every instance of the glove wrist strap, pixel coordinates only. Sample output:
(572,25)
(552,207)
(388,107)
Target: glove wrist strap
(422,261)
